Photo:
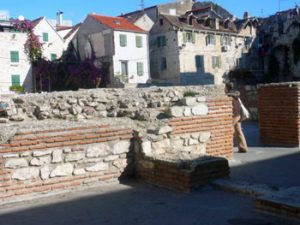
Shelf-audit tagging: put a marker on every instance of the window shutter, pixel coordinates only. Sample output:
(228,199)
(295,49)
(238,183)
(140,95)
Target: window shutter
(15,80)
(45,37)
(140,69)
(213,62)
(219,61)
(139,41)
(193,38)
(164,41)
(158,41)
(14,56)
(184,37)
(53,57)
(123,40)
(199,61)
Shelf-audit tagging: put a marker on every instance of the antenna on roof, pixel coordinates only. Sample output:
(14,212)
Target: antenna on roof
(142,5)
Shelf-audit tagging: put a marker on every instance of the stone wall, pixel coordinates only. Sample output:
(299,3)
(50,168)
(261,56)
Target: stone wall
(66,140)
(279,114)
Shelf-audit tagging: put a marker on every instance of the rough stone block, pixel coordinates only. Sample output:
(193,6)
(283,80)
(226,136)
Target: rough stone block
(204,137)
(176,111)
(62,170)
(189,101)
(200,110)
(57,156)
(79,171)
(121,147)
(164,130)
(40,161)
(26,173)
(45,172)
(16,163)
(120,163)
(99,150)
(74,157)
(146,148)
(41,153)
(97,167)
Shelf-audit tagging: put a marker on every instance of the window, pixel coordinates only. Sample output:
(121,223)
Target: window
(140,68)
(163,63)
(124,67)
(123,40)
(210,39)
(188,37)
(161,41)
(161,22)
(53,56)
(199,61)
(15,80)
(225,41)
(216,62)
(139,41)
(14,56)
(45,37)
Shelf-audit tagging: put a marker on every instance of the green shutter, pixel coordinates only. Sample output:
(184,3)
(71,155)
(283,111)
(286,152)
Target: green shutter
(213,61)
(123,40)
(184,38)
(15,80)
(140,69)
(193,38)
(158,41)
(164,41)
(219,61)
(53,57)
(14,56)
(199,61)
(45,37)
(139,41)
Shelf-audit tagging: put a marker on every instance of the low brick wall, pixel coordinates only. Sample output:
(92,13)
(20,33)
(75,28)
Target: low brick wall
(279,114)
(49,160)
(61,141)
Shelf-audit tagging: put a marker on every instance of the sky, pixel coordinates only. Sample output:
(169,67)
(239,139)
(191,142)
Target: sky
(77,10)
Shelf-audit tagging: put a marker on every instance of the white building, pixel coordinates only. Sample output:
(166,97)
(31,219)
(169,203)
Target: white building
(116,42)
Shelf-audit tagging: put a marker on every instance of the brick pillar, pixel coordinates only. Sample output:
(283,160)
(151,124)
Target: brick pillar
(279,106)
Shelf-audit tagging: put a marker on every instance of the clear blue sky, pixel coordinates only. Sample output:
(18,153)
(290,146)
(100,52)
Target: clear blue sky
(77,10)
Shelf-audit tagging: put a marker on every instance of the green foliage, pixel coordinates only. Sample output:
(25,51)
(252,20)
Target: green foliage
(18,89)
(190,93)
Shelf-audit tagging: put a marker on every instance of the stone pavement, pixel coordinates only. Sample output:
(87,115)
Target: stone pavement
(261,170)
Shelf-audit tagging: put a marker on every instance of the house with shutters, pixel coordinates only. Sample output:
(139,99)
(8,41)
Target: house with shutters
(116,44)
(191,49)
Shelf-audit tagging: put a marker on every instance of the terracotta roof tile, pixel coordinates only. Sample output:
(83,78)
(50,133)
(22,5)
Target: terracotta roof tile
(117,23)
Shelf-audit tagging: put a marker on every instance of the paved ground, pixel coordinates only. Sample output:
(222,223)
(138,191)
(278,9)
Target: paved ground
(141,204)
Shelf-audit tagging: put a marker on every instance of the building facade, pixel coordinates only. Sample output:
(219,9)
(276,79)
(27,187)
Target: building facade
(115,42)
(189,50)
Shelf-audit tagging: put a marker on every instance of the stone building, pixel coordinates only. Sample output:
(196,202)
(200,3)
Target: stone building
(115,42)
(191,49)
(279,38)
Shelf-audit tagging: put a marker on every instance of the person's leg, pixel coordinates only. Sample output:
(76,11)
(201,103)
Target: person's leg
(242,144)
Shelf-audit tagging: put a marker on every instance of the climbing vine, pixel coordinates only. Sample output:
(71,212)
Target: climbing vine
(33,47)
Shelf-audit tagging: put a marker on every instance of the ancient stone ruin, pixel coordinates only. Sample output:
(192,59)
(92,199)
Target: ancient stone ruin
(177,137)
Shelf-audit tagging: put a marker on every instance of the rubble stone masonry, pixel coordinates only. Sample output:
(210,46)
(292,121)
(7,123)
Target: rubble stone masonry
(61,141)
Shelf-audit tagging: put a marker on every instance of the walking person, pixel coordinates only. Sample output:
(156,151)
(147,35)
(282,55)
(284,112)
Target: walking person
(236,106)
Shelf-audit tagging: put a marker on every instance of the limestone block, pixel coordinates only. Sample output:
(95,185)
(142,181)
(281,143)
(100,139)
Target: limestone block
(16,163)
(121,147)
(164,130)
(72,101)
(25,154)
(120,163)
(41,153)
(146,148)
(79,171)
(57,156)
(26,173)
(74,157)
(189,101)
(4,120)
(192,141)
(111,158)
(204,137)
(161,146)
(45,172)
(200,110)
(201,99)
(40,161)
(62,170)
(187,111)
(97,167)
(75,109)
(11,155)
(17,117)
(67,150)
(98,150)
(176,111)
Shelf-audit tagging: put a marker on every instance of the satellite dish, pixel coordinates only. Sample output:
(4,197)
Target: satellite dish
(21,18)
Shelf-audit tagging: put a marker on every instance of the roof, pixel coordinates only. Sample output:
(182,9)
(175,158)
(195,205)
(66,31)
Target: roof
(117,23)
(61,28)
(197,24)
(74,28)
(36,21)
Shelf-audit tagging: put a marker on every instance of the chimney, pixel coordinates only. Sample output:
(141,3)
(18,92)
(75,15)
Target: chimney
(59,18)
(217,24)
(246,15)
